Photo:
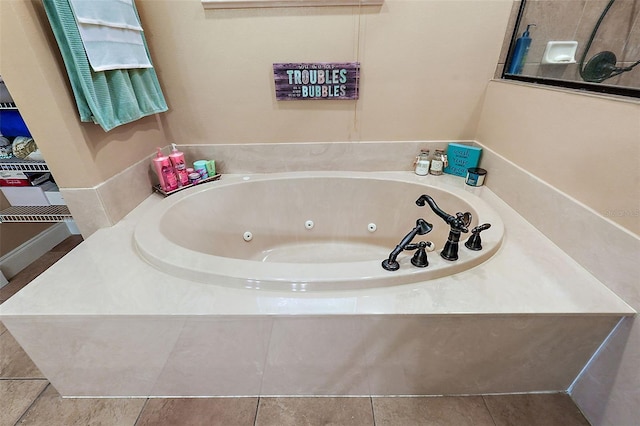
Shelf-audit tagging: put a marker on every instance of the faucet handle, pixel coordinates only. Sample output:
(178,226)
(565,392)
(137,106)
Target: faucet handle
(475,242)
(461,222)
(480,228)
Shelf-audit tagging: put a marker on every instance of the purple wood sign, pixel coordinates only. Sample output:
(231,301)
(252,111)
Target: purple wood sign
(326,80)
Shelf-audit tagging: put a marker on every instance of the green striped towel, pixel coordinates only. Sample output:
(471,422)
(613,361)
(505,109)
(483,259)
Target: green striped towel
(108,98)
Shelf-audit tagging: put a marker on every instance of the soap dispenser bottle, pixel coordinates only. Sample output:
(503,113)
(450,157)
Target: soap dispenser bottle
(166,176)
(179,165)
(520,52)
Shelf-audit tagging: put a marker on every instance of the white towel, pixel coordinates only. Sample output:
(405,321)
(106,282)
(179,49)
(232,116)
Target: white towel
(113,13)
(111,34)
(111,48)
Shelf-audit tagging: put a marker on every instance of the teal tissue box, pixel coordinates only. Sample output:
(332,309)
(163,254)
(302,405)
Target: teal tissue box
(461,157)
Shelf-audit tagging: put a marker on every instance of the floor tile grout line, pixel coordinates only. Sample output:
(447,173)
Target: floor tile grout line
(141,411)
(484,400)
(255,416)
(373,411)
(32,404)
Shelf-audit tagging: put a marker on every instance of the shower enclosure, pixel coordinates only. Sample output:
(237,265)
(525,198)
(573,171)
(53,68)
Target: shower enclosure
(585,44)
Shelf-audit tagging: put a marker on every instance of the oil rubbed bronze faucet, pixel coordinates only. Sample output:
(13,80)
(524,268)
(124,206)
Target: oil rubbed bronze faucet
(458,223)
(420,258)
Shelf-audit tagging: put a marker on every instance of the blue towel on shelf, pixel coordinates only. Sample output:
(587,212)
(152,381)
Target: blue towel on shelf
(108,98)
(12,124)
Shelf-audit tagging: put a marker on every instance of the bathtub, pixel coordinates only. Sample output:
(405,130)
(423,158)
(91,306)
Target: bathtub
(309,231)
(207,313)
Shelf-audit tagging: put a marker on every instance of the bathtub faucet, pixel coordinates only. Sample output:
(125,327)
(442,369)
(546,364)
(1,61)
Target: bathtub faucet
(422,227)
(458,223)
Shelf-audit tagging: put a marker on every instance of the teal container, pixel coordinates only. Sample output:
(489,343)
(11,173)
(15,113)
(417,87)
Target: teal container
(200,166)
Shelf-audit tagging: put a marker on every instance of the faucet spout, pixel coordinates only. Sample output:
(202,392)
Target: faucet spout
(458,223)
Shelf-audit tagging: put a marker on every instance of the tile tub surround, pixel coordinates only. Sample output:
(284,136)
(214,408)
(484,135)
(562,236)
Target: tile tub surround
(286,157)
(526,320)
(23,400)
(607,391)
(106,204)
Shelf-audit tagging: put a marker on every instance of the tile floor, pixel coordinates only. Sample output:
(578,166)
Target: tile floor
(27,398)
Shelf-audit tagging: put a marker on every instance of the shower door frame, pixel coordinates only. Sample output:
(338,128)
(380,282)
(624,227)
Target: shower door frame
(568,84)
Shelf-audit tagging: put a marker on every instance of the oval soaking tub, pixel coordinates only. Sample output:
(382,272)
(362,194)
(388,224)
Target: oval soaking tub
(307,231)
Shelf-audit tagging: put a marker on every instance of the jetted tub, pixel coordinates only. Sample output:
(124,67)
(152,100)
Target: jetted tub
(308,231)
(494,328)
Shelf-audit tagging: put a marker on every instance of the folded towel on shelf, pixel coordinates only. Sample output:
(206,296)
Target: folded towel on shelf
(111,34)
(113,13)
(12,124)
(108,98)
(110,48)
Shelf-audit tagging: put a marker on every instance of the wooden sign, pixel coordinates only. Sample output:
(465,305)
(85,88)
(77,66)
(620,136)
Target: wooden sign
(325,80)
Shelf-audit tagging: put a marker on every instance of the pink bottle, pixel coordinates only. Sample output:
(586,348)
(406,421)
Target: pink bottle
(179,165)
(166,176)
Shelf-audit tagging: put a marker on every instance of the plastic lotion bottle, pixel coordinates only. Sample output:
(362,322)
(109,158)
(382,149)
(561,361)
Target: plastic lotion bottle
(179,165)
(520,52)
(157,166)
(166,176)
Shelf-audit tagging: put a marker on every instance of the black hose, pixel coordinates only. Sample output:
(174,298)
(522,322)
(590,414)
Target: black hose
(617,71)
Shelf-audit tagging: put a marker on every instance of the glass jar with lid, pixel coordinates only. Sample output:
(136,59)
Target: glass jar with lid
(439,162)
(422,163)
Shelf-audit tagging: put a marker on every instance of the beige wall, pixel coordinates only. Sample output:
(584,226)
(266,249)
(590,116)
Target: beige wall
(79,154)
(424,70)
(586,146)
(589,148)
(425,65)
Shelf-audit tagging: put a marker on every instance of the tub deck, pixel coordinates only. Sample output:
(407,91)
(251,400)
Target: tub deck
(528,319)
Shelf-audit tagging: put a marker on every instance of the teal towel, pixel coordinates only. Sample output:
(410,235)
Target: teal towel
(108,98)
